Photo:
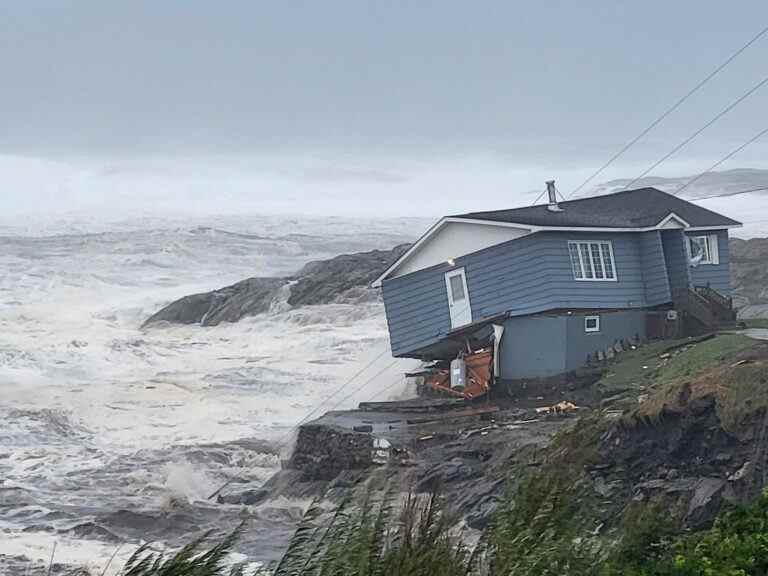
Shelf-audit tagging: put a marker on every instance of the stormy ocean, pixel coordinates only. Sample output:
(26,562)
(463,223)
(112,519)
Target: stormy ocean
(113,434)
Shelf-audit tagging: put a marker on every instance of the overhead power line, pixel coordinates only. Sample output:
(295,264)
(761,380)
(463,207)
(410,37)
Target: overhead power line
(284,438)
(736,193)
(723,159)
(690,138)
(669,110)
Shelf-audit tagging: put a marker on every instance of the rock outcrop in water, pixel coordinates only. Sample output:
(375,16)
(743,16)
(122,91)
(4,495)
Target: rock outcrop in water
(339,279)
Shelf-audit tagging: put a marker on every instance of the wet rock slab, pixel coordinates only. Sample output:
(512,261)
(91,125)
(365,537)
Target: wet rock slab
(345,277)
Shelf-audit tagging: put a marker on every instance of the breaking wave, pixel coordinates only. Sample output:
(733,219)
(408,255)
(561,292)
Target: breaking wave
(111,433)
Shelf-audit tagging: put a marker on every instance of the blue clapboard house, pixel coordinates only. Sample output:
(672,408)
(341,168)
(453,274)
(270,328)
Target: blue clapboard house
(565,280)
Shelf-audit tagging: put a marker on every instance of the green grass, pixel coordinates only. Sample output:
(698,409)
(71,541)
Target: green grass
(707,369)
(654,365)
(633,371)
(703,355)
(737,545)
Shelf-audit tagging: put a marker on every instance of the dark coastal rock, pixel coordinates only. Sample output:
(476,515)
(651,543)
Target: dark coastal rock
(323,451)
(319,282)
(229,304)
(324,281)
(247,497)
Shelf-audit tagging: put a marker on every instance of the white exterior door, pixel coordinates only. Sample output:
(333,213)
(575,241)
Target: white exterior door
(458,298)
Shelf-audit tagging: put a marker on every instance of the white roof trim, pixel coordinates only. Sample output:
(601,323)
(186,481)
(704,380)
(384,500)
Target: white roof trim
(443,221)
(672,216)
(702,228)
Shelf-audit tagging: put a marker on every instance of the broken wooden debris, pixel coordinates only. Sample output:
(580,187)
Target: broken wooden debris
(563,407)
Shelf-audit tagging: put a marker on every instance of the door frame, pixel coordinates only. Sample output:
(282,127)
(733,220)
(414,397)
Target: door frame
(448,275)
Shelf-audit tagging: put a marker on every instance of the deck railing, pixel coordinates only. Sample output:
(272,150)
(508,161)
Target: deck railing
(722,305)
(694,304)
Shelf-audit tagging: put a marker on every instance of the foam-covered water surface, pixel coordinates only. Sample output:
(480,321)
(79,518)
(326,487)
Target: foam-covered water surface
(112,433)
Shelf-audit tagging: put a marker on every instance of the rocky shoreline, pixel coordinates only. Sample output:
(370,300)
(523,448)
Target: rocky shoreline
(344,278)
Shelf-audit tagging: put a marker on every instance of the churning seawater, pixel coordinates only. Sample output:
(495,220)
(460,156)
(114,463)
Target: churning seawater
(110,434)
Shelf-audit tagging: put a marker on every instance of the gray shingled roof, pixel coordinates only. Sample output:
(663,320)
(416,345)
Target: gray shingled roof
(641,208)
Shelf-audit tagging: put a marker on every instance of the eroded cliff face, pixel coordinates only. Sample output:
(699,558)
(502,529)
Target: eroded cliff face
(344,278)
(675,429)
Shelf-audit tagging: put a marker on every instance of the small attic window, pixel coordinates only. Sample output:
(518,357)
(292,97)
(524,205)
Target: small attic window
(591,323)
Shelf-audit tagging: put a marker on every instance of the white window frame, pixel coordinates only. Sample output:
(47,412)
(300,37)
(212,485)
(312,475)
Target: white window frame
(710,252)
(594,317)
(583,270)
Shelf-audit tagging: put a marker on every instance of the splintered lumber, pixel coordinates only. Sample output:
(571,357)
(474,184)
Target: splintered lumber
(416,406)
(454,415)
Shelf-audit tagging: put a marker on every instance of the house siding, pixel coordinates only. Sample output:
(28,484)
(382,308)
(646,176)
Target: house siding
(717,276)
(676,257)
(523,276)
(654,269)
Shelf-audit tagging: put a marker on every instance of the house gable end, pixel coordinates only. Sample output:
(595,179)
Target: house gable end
(671,222)
(449,239)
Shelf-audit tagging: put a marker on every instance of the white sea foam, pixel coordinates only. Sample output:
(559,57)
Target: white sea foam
(100,415)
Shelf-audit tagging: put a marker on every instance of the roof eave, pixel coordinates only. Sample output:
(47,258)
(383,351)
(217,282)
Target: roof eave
(533,228)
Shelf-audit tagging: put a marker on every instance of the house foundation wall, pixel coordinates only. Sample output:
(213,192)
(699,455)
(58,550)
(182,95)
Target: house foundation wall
(547,345)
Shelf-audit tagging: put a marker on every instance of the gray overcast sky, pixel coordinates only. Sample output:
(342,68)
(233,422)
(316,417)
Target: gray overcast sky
(190,77)
(494,95)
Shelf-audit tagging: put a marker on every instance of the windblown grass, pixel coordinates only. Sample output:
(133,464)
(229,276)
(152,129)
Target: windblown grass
(189,561)
(369,538)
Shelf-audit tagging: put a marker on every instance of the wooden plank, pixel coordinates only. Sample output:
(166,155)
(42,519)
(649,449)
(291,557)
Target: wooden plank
(454,415)
(431,405)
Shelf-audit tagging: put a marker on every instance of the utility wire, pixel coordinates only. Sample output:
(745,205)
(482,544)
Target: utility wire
(344,385)
(388,387)
(723,159)
(557,191)
(284,438)
(736,193)
(537,198)
(669,110)
(686,141)
(364,384)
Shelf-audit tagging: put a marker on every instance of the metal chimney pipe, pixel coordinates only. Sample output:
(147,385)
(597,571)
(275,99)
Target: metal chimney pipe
(552,193)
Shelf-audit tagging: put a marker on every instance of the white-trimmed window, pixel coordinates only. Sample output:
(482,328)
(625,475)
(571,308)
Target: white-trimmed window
(592,260)
(592,323)
(703,249)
